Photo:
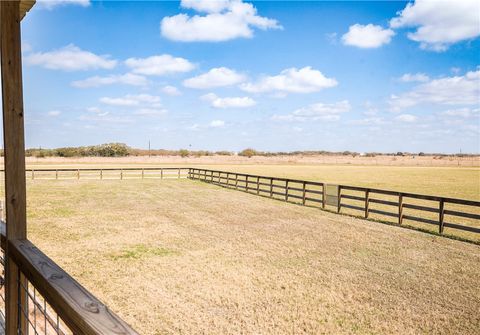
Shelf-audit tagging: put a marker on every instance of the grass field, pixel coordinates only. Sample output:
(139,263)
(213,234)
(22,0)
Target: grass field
(457,182)
(180,256)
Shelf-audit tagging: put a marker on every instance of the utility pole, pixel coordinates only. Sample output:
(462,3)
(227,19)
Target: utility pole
(148,148)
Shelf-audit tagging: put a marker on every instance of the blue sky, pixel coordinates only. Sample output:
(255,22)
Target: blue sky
(277,76)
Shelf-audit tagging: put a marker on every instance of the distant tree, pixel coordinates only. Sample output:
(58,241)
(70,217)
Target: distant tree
(184,153)
(248,152)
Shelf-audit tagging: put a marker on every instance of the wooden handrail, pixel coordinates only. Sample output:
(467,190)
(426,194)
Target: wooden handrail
(81,311)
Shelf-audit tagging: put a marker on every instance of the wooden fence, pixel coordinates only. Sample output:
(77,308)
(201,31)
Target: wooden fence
(106,173)
(369,203)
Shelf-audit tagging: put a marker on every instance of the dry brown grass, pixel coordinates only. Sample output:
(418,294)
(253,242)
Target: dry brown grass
(186,257)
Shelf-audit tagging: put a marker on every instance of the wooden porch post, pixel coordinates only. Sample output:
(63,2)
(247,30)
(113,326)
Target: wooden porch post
(14,154)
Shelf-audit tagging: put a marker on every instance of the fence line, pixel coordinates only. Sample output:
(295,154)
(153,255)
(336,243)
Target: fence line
(356,199)
(107,173)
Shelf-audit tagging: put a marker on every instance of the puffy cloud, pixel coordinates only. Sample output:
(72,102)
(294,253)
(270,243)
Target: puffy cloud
(225,20)
(132,100)
(171,90)
(408,118)
(217,124)
(50,4)
(233,102)
(367,36)
(292,80)
(97,81)
(318,111)
(216,77)
(159,65)
(417,77)
(70,58)
(440,23)
(457,90)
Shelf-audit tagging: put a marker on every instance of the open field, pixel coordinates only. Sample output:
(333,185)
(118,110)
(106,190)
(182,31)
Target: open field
(179,256)
(452,181)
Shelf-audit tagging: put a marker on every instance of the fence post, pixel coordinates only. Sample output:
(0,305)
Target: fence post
(246,183)
(400,209)
(339,204)
(304,192)
(271,187)
(323,195)
(33,174)
(178,173)
(161,173)
(143,173)
(286,190)
(441,215)
(56,174)
(367,203)
(78,173)
(121,174)
(258,185)
(101,174)
(236,181)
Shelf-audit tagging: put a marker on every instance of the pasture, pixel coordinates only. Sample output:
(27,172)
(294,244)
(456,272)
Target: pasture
(180,256)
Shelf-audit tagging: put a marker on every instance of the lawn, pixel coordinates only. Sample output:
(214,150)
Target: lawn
(180,256)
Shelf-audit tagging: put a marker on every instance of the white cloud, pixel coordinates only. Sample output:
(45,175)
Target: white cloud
(462,113)
(54,113)
(97,81)
(369,121)
(457,90)
(50,4)
(367,36)
(233,102)
(318,111)
(132,100)
(417,77)
(150,112)
(440,23)
(225,20)
(159,65)
(171,90)
(70,58)
(216,77)
(408,118)
(293,80)
(217,123)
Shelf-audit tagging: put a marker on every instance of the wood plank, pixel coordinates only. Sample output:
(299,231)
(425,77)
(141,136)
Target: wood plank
(78,308)
(14,151)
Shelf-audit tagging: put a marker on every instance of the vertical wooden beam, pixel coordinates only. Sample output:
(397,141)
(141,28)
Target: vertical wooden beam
(56,174)
(339,199)
(101,174)
(367,203)
(304,192)
(271,187)
(400,208)
(258,185)
(33,174)
(286,190)
(78,173)
(441,215)
(121,174)
(323,195)
(14,152)
(143,173)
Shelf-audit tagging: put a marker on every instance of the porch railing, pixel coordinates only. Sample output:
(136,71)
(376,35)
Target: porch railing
(50,301)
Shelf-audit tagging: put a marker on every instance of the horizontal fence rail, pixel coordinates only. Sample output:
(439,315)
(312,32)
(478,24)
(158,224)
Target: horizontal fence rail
(106,173)
(50,300)
(392,206)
